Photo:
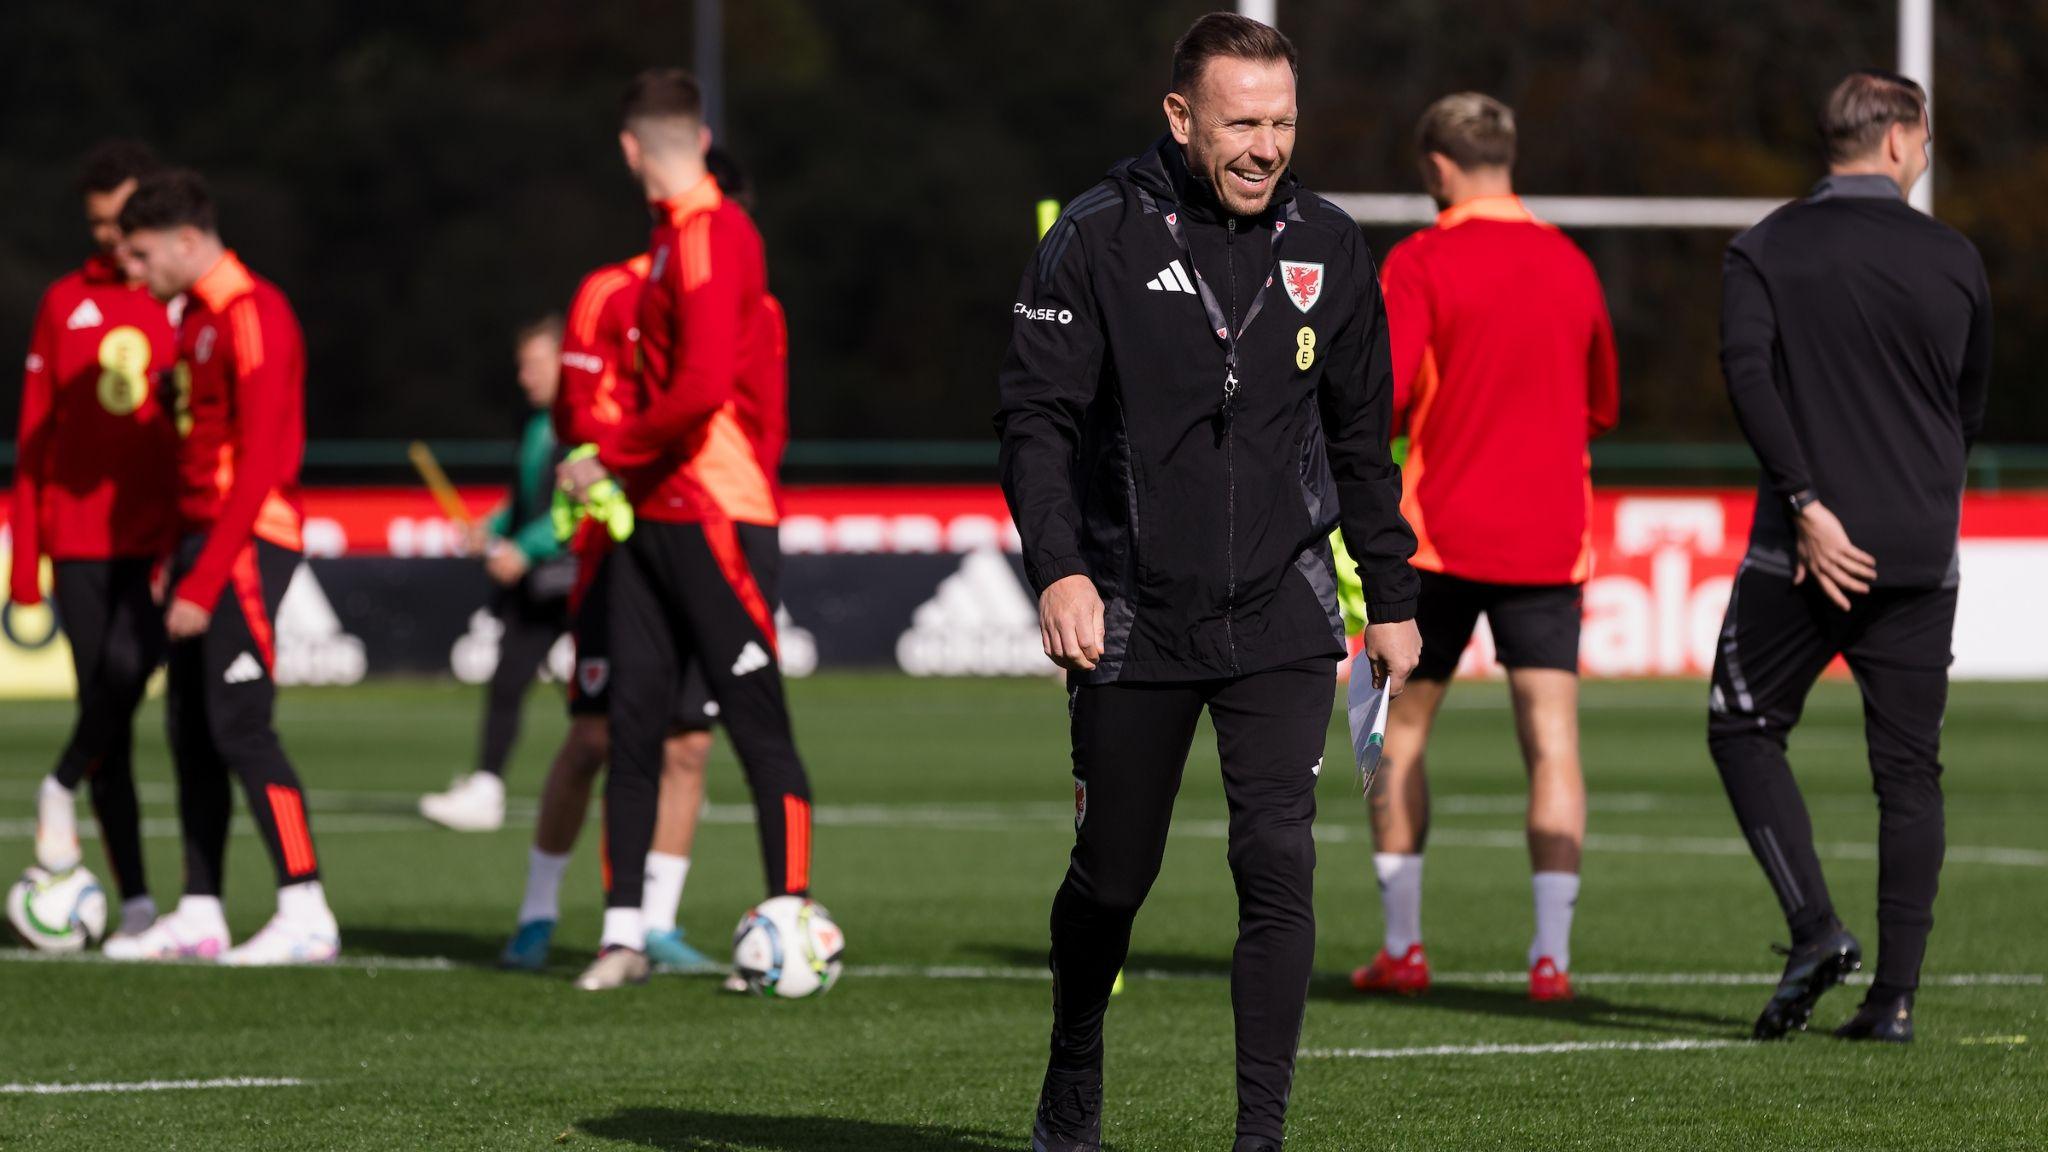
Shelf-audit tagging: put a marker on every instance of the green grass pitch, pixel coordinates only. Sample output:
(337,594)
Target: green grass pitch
(943,825)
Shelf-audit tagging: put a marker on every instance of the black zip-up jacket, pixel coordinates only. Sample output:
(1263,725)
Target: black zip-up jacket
(1856,341)
(1204,521)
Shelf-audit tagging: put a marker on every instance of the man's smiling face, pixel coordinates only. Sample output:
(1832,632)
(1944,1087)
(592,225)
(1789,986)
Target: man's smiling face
(1237,128)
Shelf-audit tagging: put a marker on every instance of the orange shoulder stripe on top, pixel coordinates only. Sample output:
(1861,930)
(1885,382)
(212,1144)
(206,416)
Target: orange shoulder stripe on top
(227,279)
(588,307)
(248,334)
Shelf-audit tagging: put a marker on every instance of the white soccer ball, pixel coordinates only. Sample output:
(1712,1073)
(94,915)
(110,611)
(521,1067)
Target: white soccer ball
(66,912)
(788,947)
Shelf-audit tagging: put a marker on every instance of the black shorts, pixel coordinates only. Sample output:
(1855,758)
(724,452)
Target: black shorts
(694,710)
(1534,625)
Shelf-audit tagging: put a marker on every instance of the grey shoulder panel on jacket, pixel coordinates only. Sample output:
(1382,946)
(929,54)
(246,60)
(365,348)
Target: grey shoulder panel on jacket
(1106,194)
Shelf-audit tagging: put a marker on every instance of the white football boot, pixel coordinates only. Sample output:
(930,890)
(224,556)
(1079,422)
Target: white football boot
(177,935)
(615,967)
(286,942)
(474,803)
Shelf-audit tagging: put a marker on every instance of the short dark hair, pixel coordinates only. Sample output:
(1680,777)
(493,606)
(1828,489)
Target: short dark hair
(549,326)
(1863,107)
(112,163)
(1473,129)
(1226,34)
(662,94)
(170,198)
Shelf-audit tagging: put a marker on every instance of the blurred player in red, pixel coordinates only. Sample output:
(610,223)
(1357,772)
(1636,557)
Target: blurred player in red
(1503,371)
(689,583)
(94,491)
(600,386)
(240,410)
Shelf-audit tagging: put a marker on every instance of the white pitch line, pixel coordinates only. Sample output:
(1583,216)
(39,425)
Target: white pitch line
(994,972)
(1560,1048)
(346,962)
(110,1086)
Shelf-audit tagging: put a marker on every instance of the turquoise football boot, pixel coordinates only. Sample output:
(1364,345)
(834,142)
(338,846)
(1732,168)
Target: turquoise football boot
(668,950)
(527,950)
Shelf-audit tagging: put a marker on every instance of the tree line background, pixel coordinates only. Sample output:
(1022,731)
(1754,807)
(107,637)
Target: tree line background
(423,177)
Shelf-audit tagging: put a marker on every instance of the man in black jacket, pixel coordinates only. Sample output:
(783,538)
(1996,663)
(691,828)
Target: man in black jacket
(1856,341)
(1196,391)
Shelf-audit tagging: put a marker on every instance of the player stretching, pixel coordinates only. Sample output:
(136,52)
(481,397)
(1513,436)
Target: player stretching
(1856,341)
(241,412)
(684,586)
(1503,369)
(598,366)
(94,491)
(533,578)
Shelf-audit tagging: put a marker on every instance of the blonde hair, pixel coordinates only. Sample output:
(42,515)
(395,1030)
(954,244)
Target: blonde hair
(1471,128)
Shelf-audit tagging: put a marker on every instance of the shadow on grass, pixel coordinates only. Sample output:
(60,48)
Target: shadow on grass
(686,1130)
(422,943)
(1468,999)
(1514,1003)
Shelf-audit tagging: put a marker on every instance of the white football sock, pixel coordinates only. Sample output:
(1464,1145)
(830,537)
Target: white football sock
(664,892)
(1400,876)
(56,827)
(1556,895)
(203,914)
(624,927)
(543,886)
(304,905)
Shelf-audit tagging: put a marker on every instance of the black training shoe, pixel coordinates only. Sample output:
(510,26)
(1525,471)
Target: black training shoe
(1887,1021)
(1254,1144)
(1069,1112)
(1809,971)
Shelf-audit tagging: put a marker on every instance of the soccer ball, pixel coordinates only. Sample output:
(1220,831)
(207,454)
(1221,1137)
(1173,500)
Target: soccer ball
(66,912)
(788,947)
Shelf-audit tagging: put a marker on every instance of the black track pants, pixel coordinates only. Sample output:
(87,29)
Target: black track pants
(1131,744)
(532,625)
(1775,642)
(116,632)
(219,715)
(681,592)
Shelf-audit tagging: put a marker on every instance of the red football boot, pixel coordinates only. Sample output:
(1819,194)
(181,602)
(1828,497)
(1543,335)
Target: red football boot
(1547,982)
(1408,976)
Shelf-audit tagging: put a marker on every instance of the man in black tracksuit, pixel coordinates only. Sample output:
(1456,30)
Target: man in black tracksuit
(1196,391)
(1856,341)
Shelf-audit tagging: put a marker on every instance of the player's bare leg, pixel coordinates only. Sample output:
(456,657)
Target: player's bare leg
(668,861)
(1546,702)
(1399,807)
(564,806)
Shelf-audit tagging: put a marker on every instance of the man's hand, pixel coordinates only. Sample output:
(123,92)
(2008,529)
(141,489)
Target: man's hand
(1070,623)
(506,564)
(476,538)
(1827,554)
(1393,651)
(576,476)
(186,620)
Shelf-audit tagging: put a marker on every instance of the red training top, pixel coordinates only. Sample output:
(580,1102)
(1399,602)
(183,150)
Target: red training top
(96,453)
(242,411)
(686,456)
(1503,371)
(763,400)
(600,380)
(600,354)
